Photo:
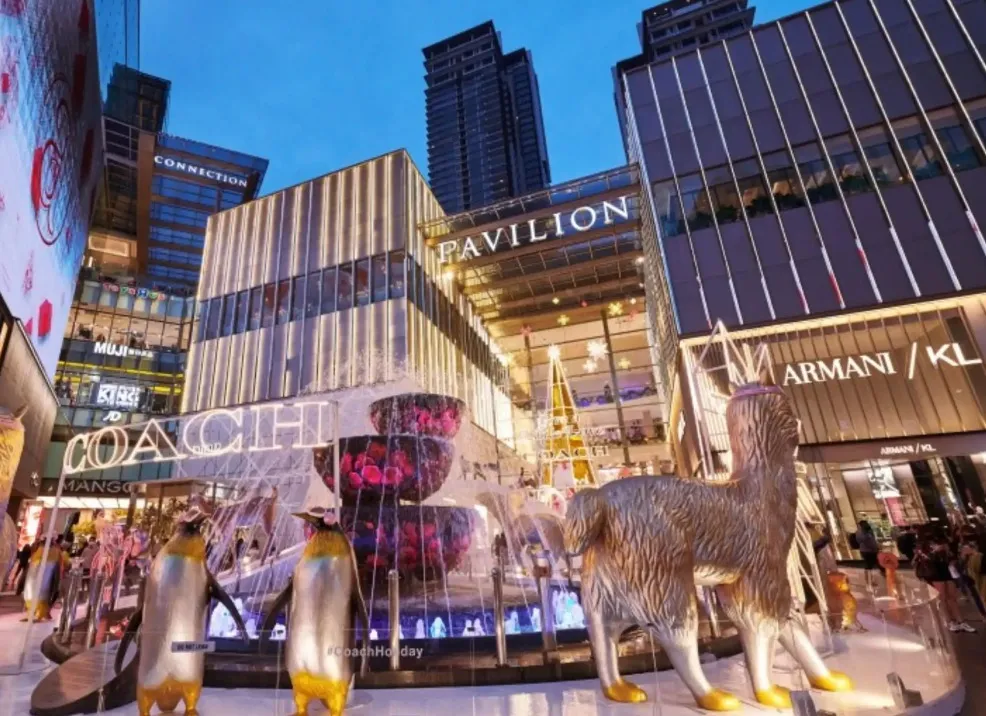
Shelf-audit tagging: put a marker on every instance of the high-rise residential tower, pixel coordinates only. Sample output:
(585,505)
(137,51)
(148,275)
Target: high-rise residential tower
(485,131)
(680,26)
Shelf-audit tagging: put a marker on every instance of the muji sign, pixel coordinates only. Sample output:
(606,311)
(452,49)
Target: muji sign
(882,363)
(510,236)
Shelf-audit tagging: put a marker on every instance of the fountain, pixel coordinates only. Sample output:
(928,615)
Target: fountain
(383,481)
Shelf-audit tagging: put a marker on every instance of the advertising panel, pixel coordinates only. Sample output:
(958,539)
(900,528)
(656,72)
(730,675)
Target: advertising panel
(51,149)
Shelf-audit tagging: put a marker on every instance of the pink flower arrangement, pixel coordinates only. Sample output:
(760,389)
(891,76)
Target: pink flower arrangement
(418,414)
(378,468)
(421,544)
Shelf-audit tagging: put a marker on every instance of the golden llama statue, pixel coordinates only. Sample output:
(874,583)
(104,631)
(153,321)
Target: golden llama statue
(648,541)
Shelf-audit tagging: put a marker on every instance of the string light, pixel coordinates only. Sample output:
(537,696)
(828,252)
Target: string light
(556,300)
(624,364)
(589,366)
(615,309)
(554,352)
(563,319)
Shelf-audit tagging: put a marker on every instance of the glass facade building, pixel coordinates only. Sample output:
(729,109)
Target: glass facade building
(813,173)
(486,137)
(345,290)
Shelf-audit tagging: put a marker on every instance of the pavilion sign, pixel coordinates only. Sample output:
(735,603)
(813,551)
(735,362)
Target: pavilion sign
(510,236)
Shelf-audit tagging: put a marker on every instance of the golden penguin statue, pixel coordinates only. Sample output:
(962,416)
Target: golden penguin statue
(325,596)
(41,580)
(177,593)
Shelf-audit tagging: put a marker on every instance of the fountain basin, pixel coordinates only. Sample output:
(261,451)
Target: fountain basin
(418,414)
(418,541)
(378,468)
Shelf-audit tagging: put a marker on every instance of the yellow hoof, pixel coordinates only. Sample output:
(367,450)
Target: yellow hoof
(625,692)
(718,700)
(776,697)
(833,681)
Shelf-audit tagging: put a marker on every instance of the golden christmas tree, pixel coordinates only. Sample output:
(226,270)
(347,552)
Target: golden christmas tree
(566,452)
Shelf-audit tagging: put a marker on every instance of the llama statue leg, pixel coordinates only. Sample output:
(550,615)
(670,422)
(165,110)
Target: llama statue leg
(758,633)
(604,636)
(676,628)
(796,640)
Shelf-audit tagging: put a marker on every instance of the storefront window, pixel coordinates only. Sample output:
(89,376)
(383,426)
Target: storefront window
(345,292)
(283,298)
(815,173)
(176,307)
(90,292)
(142,306)
(256,308)
(918,151)
(668,209)
(242,311)
(396,274)
(215,315)
(362,282)
(229,315)
(954,140)
(125,300)
(783,181)
(752,191)
(329,290)
(849,170)
(313,296)
(380,278)
(880,156)
(107,298)
(269,302)
(298,298)
(695,201)
(171,338)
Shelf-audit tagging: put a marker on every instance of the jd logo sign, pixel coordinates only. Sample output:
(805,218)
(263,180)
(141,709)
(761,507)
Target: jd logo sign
(866,365)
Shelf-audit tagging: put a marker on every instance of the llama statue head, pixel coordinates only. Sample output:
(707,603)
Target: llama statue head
(763,427)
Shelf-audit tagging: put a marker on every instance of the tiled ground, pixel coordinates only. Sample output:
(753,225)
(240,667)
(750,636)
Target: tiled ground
(866,656)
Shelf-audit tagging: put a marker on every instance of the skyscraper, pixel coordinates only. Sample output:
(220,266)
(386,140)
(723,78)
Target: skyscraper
(485,131)
(679,26)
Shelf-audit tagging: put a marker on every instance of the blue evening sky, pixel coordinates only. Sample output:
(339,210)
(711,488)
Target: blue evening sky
(316,85)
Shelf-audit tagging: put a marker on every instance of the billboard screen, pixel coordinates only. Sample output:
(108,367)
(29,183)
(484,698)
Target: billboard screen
(51,150)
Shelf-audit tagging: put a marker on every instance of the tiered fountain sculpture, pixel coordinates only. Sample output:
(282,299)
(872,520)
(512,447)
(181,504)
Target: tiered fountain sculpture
(385,478)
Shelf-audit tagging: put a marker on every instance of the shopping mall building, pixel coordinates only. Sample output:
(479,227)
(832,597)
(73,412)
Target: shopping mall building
(129,328)
(818,185)
(357,284)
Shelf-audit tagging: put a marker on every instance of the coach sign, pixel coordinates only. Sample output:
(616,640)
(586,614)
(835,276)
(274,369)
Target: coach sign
(180,165)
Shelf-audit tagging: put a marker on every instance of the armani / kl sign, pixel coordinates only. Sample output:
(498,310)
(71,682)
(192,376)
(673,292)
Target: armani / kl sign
(866,365)
(580,220)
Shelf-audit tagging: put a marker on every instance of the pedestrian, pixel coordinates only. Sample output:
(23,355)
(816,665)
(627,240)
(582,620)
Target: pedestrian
(931,565)
(906,541)
(23,562)
(869,549)
(969,559)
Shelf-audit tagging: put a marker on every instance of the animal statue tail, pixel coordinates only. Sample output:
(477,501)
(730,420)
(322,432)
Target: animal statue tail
(584,520)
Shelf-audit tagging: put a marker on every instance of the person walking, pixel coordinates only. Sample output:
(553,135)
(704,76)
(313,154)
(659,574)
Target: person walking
(23,562)
(869,549)
(932,559)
